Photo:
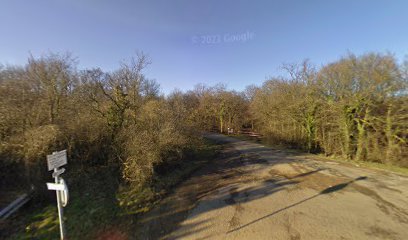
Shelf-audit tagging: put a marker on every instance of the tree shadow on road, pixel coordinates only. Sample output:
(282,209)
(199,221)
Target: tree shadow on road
(325,191)
(230,180)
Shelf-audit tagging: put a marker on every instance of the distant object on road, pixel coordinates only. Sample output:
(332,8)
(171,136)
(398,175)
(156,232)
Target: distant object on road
(250,133)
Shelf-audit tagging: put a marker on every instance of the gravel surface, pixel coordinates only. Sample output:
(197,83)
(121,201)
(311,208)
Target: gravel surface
(256,192)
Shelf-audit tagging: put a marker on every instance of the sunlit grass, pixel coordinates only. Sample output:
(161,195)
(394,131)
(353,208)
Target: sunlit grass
(371,165)
(366,164)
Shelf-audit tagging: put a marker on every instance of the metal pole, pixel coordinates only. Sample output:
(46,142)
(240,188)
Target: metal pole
(60,208)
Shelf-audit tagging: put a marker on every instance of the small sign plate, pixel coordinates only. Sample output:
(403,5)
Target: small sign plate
(56,186)
(57,159)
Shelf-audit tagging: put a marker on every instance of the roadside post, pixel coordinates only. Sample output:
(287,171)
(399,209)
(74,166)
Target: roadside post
(54,161)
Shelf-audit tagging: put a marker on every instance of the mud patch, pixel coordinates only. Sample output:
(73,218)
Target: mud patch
(112,233)
(252,158)
(309,179)
(235,220)
(319,181)
(285,170)
(292,232)
(385,206)
(376,231)
(382,185)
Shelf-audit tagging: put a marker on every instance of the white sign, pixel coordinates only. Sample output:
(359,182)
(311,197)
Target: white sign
(63,188)
(57,159)
(56,186)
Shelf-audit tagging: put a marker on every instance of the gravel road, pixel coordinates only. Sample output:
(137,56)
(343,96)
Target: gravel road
(256,192)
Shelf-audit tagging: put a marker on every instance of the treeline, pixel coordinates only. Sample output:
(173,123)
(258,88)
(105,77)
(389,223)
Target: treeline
(356,107)
(117,119)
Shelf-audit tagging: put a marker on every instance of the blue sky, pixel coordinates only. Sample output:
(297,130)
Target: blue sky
(192,42)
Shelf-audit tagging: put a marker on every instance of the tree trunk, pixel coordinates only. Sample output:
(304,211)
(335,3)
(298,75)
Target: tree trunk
(360,141)
(362,137)
(221,124)
(347,141)
(389,135)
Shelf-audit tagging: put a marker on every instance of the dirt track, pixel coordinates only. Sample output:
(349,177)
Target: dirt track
(255,192)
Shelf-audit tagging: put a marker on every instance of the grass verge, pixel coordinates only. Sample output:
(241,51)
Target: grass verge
(365,164)
(95,205)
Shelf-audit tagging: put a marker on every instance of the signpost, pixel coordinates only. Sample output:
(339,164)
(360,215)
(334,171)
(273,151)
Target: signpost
(54,161)
(57,159)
